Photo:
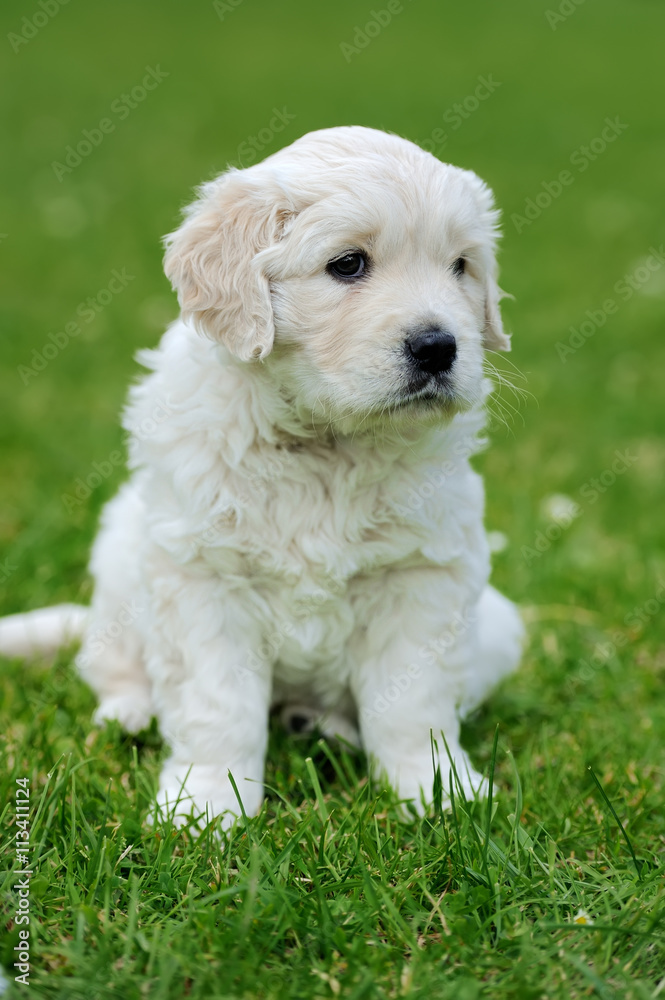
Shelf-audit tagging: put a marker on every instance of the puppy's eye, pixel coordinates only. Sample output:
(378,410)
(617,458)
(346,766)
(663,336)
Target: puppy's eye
(348,266)
(459,266)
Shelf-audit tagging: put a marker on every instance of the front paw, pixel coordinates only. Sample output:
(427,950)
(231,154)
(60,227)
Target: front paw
(204,792)
(413,781)
(467,783)
(133,710)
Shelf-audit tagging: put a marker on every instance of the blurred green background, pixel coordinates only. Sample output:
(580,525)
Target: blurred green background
(557,74)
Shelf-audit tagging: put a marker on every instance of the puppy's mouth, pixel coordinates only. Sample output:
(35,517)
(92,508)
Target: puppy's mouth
(435,393)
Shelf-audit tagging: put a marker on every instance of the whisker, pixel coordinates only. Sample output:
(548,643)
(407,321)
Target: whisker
(507,361)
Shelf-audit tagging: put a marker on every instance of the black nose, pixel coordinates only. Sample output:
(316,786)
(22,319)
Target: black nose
(433,351)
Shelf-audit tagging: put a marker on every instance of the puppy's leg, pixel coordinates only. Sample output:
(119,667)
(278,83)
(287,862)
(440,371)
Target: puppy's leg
(408,679)
(212,694)
(501,638)
(111,655)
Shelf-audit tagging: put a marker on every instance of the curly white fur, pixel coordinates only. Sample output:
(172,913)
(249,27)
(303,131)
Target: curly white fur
(301,527)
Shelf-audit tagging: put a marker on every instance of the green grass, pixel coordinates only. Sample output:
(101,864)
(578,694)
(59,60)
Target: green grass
(329,892)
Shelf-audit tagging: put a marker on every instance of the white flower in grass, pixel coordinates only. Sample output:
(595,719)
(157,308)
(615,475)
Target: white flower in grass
(582,917)
(560,508)
(497,541)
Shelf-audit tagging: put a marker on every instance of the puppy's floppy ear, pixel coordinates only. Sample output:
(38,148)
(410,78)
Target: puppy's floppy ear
(494,337)
(210,260)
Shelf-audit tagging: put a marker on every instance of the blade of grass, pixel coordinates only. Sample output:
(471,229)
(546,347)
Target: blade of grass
(638,867)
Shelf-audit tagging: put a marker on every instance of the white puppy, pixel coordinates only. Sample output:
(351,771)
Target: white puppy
(302,524)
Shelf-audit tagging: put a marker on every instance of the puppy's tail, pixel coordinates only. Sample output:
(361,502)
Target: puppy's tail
(42,632)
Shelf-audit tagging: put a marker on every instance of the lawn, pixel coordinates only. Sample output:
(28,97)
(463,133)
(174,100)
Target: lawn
(553,889)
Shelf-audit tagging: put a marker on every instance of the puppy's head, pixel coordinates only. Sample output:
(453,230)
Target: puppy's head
(358,269)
